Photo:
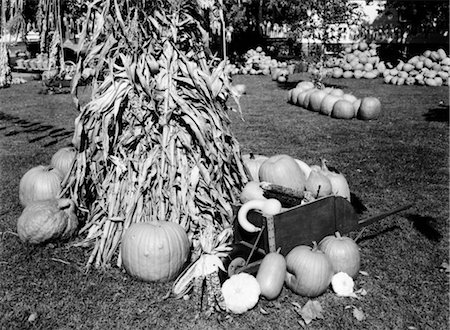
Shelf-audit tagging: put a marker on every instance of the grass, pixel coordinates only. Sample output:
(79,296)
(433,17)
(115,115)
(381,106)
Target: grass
(400,158)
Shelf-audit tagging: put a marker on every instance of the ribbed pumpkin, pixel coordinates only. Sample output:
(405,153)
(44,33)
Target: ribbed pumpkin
(154,251)
(63,159)
(326,107)
(40,183)
(343,109)
(47,221)
(316,99)
(343,253)
(370,108)
(309,271)
(282,170)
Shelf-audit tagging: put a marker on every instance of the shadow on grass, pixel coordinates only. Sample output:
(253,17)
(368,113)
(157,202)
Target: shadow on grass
(384,231)
(440,114)
(425,226)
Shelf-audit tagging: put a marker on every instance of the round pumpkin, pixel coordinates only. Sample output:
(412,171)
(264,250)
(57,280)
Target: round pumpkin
(40,183)
(309,271)
(63,159)
(349,97)
(343,109)
(253,162)
(315,100)
(370,108)
(282,170)
(304,97)
(154,251)
(337,92)
(343,253)
(326,107)
(318,184)
(305,85)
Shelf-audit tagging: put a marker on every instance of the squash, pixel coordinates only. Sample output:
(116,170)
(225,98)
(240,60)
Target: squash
(282,170)
(343,109)
(339,184)
(39,183)
(253,162)
(343,253)
(309,271)
(370,108)
(63,159)
(240,292)
(251,190)
(271,275)
(47,221)
(268,207)
(154,251)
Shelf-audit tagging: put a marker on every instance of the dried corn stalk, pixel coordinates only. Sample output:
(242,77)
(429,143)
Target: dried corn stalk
(154,143)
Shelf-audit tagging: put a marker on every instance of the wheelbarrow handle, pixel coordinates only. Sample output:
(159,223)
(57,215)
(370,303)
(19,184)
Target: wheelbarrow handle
(378,217)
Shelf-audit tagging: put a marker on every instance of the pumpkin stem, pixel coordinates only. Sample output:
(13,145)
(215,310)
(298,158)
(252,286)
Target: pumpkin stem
(315,247)
(338,234)
(279,249)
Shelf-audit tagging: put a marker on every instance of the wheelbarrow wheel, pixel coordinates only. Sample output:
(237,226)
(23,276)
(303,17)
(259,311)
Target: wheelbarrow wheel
(235,265)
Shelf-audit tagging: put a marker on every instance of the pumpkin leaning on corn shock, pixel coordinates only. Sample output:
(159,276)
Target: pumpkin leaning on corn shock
(154,251)
(40,183)
(63,159)
(47,221)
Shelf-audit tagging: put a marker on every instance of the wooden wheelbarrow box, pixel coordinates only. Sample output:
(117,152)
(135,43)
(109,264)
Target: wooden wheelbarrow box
(299,225)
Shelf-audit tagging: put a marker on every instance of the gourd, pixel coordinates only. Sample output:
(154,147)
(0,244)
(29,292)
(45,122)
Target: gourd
(63,159)
(268,207)
(240,292)
(252,190)
(343,109)
(253,163)
(343,253)
(370,108)
(282,170)
(339,184)
(154,251)
(40,183)
(309,271)
(318,184)
(47,221)
(271,275)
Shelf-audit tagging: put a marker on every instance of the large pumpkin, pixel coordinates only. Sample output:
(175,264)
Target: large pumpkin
(40,183)
(309,271)
(370,108)
(343,109)
(154,251)
(343,253)
(284,171)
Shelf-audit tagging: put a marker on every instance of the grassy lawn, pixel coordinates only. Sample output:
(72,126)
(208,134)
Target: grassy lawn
(398,159)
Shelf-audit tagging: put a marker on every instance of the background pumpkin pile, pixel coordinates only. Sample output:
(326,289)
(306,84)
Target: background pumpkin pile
(430,69)
(334,102)
(359,60)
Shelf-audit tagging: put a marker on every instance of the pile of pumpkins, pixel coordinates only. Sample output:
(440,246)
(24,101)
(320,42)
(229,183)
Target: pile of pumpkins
(358,60)
(306,270)
(430,69)
(334,102)
(258,63)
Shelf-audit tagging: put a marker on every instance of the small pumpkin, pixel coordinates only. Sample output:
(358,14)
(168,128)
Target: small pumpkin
(154,251)
(47,221)
(253,163)
(271,275)
(339,184)
(282,170)
(318,184)
(315,100)
(343,253)
(343,109)
(63,159)
(39,183)
(326,107)
(240,293)
(309,271)
(370,108)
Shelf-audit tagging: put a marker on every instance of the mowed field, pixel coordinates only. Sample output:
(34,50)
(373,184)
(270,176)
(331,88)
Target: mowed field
(400,158)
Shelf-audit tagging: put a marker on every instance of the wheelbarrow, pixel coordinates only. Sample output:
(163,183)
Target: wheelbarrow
(299,225)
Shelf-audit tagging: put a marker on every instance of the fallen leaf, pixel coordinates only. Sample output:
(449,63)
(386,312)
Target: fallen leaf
(445,267)
(358,314)
(311,311)
(361,292)
(364,273)
(263,311)
(32,317)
